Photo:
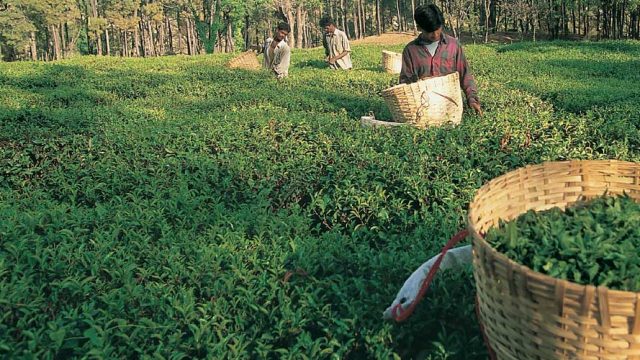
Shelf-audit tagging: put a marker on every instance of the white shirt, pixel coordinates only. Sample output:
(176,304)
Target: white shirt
(281,60)
(432,47)
(335,44)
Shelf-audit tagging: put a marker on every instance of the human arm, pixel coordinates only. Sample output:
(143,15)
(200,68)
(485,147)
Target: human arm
(407,72)
(467,82)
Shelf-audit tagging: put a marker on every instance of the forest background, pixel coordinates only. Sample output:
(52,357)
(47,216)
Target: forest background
(56,29)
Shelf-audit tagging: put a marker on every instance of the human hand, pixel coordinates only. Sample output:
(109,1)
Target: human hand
(476,107)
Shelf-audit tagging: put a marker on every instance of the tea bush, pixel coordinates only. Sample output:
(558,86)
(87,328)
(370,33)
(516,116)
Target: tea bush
(172,208)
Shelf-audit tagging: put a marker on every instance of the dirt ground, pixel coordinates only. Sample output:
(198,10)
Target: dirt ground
(395,38)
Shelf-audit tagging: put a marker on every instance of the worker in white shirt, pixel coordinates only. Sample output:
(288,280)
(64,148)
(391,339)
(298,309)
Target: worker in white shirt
(277,53)
(336,45)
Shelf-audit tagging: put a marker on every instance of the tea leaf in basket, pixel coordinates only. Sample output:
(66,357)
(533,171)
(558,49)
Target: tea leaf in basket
(593,242)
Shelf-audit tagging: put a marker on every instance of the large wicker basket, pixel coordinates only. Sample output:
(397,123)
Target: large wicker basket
(247,60)
(429,102)
(391,62)
(528,315)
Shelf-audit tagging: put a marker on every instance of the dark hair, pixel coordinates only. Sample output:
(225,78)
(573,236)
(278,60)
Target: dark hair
(428,17)
(326,21)
(284,26)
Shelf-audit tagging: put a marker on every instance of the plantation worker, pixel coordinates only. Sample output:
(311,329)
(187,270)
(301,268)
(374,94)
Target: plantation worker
(434,53)
(277,53)
(408,294)
(336,45)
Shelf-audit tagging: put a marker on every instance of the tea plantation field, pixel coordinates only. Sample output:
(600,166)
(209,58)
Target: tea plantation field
(171,208)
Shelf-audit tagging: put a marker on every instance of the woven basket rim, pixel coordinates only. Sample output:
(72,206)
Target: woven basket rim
(394,88)
(390,52)
(480,241)
(416,83)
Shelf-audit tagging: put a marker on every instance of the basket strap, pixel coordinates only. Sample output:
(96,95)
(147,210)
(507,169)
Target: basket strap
(446,97)
(399,314)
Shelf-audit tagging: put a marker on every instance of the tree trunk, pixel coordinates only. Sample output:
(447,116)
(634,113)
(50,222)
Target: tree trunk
(573,20)
(63,43)
(65,38)
(143,38)
(55,33)
(97,33)
(363,9)
(621,18)
(292,23)
(492,15)
(331,14)
(356,28)
(343,16)
(106,37)
(161,45)
(136,41)
(229,45)
(179,30)
(398,14)
(124,52)
(190,49)
(632,26)
(245,33)
(487,15)
(209,12)
(33,49)
(307,35)
(534,30)
(415,26)
(152,44)
(378,24)
(85,17)
(299,21)
(598,27)
(168,25)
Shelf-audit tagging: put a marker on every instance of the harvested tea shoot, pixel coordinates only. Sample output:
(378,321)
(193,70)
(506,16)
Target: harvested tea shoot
(593,242)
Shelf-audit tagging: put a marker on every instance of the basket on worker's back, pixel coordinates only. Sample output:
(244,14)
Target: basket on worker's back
(391,62)
(429,102)
(529,315)
(247,60)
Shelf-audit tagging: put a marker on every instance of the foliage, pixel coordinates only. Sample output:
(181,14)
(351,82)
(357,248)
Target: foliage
(170,207)
(16,35)
(591,243)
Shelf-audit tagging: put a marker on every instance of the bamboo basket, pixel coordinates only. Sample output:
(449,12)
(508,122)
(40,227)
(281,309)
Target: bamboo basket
(391,62)
(528,315)
(247,60)
(429,102)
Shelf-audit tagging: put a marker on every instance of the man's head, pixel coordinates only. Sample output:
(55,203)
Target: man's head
(327,24)
(282,31)
(430,20)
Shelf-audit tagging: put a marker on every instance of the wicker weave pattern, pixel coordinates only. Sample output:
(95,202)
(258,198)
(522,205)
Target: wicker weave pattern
(430,102)
(528,315)
(391,62)
(247,60)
